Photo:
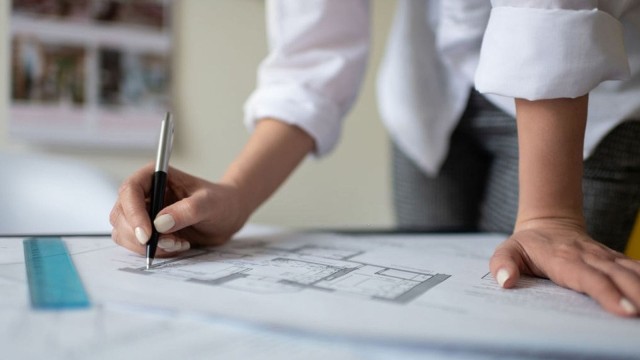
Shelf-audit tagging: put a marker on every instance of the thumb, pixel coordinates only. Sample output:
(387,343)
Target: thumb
(177,216)
(506,263)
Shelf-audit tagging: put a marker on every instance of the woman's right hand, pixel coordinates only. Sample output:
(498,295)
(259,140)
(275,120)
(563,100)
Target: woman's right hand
(202,213)
(197,213)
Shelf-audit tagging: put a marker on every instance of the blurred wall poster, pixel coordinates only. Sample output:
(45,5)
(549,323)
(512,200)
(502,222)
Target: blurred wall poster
(90,72)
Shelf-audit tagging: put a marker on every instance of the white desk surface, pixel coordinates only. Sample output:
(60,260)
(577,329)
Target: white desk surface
(287,295)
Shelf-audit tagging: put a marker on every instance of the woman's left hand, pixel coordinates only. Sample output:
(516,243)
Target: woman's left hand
(564,253)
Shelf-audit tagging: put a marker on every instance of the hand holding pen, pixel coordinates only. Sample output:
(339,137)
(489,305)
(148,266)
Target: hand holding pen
(196,212)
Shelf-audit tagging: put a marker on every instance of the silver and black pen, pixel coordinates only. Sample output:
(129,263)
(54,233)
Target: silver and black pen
(159,184)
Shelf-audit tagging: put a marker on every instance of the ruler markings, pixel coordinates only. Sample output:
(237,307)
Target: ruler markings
(53,280)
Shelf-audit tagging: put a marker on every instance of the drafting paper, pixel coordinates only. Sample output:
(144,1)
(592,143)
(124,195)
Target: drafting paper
(413,290)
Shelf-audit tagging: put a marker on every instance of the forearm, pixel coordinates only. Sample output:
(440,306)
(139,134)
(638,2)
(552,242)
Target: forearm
(273,151)
(550,239)
(550,140)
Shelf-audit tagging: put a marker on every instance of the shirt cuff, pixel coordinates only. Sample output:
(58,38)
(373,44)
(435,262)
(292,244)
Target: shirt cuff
(318,117)
(549,53)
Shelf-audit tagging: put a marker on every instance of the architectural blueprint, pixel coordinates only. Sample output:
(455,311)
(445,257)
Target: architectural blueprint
(258,267)
(432,291)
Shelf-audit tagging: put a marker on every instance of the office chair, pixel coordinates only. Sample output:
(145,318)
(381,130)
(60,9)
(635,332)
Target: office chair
(47,195)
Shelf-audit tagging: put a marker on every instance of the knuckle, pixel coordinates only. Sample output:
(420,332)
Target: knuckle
(114,215)
(129,209)
(188,212)
(189,208)
(601,253)
(124,187)
(565,252)
(114,236)
(206,195)
(596,285)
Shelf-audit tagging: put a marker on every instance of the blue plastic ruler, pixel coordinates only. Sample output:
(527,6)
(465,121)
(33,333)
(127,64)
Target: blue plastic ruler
(53,280)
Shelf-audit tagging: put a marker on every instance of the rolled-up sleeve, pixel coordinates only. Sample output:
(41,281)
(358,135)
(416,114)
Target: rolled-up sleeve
(316,63)
(544,49)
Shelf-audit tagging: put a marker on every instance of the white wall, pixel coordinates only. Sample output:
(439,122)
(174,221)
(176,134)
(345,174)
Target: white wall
(218,46)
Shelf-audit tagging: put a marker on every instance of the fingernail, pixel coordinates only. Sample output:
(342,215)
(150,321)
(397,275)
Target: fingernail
(628,307)
(502,276)
(164,223)
(141,235)
(166,244)
(179,245)
(185,246)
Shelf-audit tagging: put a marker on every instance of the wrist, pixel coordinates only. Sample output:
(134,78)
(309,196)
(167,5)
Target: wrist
(271,154)
(244,196)
(567,212)
(564,221)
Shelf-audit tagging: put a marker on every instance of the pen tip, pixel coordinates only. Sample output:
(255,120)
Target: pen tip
(149,261)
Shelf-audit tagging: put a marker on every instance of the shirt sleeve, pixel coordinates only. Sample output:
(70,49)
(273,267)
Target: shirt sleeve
(317,60)
(545,49)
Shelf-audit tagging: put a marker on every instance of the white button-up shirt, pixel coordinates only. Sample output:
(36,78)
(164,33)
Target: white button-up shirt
(436,52)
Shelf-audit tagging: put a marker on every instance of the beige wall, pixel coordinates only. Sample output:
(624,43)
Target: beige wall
(218,46)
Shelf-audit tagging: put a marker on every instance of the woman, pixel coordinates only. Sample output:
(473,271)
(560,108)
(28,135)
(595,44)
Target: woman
(456,150)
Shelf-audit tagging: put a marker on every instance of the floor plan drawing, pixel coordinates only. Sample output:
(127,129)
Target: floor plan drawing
(265,268)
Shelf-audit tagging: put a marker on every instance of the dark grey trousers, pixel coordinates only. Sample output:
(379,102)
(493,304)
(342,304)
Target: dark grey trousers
(477,187)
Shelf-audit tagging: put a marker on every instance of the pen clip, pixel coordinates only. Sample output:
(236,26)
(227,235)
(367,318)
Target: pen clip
(165,144)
